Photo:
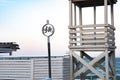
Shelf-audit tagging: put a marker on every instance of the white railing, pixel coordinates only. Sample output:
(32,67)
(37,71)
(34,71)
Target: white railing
(92,37)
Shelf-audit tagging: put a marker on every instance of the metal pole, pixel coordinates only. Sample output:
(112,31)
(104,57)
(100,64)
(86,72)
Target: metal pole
(48,30)
(10,53)
(49,57)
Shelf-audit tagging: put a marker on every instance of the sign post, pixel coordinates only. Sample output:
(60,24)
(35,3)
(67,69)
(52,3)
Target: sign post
(48,30)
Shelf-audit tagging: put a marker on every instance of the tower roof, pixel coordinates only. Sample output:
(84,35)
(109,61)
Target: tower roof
(89,3)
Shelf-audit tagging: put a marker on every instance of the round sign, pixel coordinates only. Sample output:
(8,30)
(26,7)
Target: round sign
(48,30)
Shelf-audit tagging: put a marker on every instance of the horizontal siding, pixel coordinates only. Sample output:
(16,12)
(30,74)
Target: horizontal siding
(34,69)
(15,69)
(41,68)
(66,67)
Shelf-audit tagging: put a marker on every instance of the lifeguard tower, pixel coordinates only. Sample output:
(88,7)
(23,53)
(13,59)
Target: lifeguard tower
(95,38)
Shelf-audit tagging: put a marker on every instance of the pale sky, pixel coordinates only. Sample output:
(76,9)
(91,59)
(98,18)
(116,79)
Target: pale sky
(21,21)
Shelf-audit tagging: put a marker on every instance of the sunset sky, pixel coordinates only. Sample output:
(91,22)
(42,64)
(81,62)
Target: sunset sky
(21,21)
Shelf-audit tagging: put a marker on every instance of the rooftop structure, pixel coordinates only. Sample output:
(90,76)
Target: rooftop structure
(8,47)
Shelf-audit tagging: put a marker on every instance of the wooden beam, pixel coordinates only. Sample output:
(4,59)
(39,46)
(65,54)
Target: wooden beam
(112,14)
(98,64)
(71,67)
(107,65)
(70,13)
(105,12)
(89,66)
(75,15)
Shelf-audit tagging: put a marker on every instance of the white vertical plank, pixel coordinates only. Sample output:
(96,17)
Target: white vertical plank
(32,69)
(105,12)
(107,65)
(112,14)
(71,67)
(70,13)
(74,14)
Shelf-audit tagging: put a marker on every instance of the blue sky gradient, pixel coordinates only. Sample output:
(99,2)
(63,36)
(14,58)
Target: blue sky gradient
(21,21)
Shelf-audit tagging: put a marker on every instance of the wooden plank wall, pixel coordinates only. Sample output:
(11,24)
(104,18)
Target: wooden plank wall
(66,68)
(41,68)
(15,69)
(35,69)
(60,68)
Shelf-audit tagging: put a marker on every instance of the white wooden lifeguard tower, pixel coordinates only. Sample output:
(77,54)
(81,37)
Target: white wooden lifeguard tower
(85,39)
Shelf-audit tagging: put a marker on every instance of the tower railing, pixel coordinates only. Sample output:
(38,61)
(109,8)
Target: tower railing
(92,37)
